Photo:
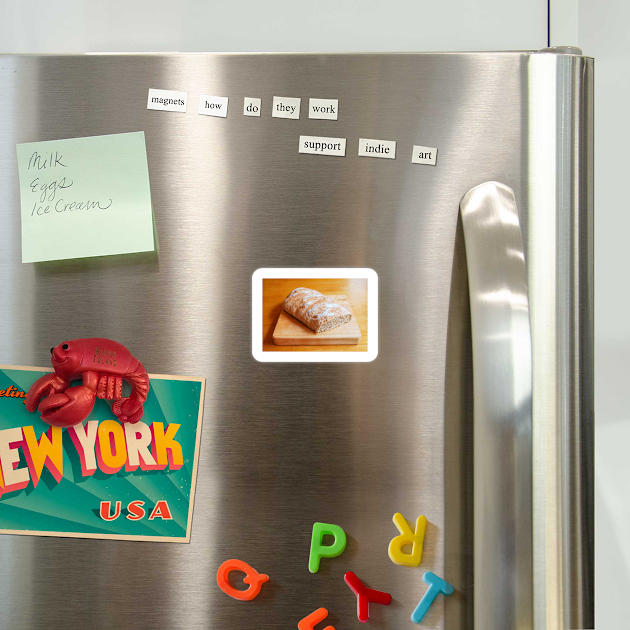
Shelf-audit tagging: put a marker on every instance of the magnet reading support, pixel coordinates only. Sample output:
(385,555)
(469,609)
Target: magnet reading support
(308,623)
(407,537)
(365,596)
(319,551)
(436,586)
(252,577)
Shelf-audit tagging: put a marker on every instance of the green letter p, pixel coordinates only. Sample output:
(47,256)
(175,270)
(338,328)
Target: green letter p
(319,551)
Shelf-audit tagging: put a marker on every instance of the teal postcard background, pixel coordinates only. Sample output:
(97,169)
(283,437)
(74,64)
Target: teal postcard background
(72,505)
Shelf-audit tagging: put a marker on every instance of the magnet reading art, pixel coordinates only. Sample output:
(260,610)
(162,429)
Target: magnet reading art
(47,187)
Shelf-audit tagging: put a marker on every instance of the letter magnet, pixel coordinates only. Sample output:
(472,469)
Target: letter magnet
(319,551)
(407,537)
(252,577)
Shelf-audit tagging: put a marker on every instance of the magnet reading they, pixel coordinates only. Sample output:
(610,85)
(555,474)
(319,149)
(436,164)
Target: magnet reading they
(407,537)
(319,551)
(252,577)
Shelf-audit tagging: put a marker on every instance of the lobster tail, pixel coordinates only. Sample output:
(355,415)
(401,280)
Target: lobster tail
(130,409)
(139,381)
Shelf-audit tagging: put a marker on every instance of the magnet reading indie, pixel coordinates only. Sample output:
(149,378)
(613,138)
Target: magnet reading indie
(106,446)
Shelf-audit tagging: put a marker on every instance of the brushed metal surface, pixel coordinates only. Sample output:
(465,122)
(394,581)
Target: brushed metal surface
(502,372)
(560,274)
(283,445)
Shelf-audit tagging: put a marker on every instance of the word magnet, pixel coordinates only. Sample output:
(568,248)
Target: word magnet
(213,105)
(285,107)
(252,577)
(251,106)
(407,537)
(365,596)
(167,100)
(319,550)
(323,108)
(436,586)
(424,155)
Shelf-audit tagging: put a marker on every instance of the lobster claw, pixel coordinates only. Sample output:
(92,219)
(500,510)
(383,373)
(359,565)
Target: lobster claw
(43,386)
(68,408)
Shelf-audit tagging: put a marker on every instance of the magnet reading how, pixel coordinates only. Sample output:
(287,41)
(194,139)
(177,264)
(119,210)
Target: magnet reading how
(377,148)
(213,105)
(436,586)
(285,107)
(407,537)
(319,550)
(252,577)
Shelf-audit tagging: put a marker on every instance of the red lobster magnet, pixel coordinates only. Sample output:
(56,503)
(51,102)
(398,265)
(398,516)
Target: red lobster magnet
(102,364)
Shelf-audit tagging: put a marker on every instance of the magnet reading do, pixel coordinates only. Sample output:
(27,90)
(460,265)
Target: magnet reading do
(251,106)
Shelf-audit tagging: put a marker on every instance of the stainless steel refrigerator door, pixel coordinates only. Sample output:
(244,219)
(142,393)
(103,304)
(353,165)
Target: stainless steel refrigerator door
(285,445)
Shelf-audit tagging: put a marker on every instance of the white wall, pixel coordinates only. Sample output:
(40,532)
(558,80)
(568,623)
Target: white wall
(282,25)
(603,27)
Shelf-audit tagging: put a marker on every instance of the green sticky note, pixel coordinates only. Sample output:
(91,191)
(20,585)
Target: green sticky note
(85,197)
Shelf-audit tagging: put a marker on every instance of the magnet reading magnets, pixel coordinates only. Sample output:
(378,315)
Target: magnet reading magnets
(102,364)
(252,577)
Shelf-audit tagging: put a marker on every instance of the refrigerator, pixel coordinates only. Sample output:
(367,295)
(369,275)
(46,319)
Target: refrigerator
(474,405)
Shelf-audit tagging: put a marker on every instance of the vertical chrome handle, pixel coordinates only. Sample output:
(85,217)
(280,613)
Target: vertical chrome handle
(502,374)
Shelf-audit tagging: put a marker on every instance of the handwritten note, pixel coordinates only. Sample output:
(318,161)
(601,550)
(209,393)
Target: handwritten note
(85,197)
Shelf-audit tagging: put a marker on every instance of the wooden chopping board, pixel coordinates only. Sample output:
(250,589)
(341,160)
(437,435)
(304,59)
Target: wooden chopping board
(292,332)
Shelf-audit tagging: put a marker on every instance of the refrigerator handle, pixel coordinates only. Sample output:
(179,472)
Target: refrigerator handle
(502,375)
